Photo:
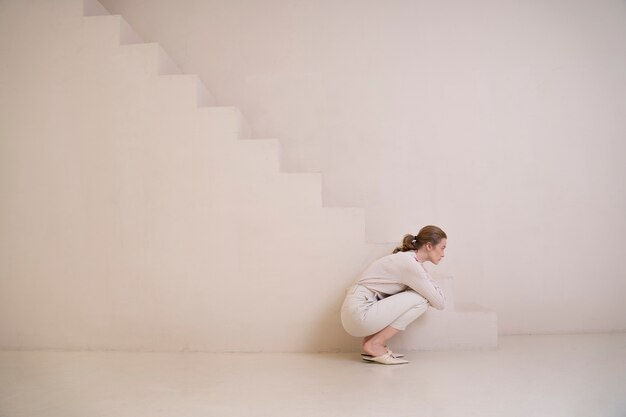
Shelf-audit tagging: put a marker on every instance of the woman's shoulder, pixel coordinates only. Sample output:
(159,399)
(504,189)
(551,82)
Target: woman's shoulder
(405,255)
(400,257)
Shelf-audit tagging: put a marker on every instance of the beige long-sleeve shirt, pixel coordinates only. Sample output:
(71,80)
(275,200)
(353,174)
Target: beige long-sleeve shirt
(392,274)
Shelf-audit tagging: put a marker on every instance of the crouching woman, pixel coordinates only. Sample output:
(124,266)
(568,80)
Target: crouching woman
(392,292)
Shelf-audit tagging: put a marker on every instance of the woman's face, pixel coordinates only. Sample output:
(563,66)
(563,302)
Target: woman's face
(436,252)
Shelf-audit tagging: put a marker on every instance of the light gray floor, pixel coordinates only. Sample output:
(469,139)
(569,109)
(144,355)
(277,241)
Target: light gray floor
(551,376)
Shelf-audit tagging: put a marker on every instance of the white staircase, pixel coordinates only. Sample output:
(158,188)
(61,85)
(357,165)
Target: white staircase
(141,217)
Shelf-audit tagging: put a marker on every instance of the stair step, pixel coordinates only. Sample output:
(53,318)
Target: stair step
(307,185)
(109,31)
(233,181)
(102,31)
(150,58)
(94,8)
(349,216)
(186,89)
(261,155)
(128,35)
(218,124)
(446,329)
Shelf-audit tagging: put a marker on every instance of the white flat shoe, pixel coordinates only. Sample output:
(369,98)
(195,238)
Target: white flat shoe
(394,354)
(386,359)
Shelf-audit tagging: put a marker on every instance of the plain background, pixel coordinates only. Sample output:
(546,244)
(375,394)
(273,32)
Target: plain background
(129,219)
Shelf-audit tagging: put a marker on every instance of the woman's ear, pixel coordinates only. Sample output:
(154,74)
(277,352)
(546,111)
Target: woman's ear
(429,246)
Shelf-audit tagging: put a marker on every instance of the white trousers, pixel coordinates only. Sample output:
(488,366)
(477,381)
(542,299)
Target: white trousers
(362,314)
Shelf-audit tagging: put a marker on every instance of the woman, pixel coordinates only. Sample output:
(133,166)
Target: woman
(392,292)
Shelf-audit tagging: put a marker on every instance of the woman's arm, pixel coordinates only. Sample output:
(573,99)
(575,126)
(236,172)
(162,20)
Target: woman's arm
(420,281)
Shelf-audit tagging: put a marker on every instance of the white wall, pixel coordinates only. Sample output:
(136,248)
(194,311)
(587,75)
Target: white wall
(132,219)
(503,122)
